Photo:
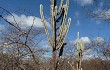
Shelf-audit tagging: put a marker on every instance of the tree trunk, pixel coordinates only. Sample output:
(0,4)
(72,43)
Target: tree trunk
(54,60)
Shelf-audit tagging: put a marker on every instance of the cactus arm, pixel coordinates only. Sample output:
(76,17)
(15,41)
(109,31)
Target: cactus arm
(65,34)
(65,11)
(60,7)
(44,24)
(52,1)
(64,18)
(62,32)
(53,26)
(61,15)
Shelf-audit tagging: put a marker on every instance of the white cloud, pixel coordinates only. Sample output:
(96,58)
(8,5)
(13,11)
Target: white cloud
(84,2)
(78,23)
(99,40)
(85,40)
(87,54)
(90,56)
(44,44)
(102,14)
(24,20)
(107,14)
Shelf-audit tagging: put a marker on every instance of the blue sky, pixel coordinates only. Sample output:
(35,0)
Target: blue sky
(88,27)
(80,21)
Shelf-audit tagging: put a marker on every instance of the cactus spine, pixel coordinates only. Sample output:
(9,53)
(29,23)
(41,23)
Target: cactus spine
(57,15)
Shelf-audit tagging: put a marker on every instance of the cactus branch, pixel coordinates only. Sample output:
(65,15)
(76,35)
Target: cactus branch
(44,24)
(60,7)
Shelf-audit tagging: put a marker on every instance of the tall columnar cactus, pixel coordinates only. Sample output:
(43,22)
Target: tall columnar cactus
(80,47)
(59,33)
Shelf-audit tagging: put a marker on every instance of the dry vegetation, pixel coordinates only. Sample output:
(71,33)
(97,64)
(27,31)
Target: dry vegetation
(19,48)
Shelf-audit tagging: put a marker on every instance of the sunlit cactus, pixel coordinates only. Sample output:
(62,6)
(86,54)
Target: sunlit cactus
(80,45)
(59,33)
(80,48)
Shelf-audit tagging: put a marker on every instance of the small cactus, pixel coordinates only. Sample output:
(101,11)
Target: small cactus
(80,48)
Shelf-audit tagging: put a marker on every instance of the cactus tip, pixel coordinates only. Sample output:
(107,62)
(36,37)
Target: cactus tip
(41,6)
(69,19)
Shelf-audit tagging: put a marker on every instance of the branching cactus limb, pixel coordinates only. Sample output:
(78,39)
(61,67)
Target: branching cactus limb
(44,24)
(63,27)
(58,41)
(61,38)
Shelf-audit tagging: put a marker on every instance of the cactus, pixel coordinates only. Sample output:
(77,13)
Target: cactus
(58,41)
(80,47)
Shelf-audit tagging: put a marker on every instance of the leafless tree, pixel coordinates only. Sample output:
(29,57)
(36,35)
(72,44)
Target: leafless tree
(21,43)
